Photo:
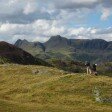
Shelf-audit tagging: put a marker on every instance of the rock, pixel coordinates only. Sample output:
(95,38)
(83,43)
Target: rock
(35,71)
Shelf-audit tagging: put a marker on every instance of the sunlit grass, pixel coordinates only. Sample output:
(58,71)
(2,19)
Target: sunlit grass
(52,90)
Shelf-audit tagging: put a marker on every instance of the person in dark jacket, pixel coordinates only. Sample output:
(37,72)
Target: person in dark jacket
(94,70)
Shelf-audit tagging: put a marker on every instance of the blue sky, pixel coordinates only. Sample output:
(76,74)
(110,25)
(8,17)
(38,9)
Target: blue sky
(94,20)
(38,20)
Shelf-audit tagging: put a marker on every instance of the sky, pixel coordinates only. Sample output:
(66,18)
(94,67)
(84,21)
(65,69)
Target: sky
(38,20)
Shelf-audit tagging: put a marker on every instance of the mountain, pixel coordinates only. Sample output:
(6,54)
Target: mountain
(11,54)
(58,47)
(90,44)
(57,43)
(32,47)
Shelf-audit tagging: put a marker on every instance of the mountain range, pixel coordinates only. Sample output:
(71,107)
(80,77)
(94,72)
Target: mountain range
(12,54)
(57,47)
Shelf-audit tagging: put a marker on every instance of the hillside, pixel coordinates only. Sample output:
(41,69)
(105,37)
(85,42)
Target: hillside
(70,66)
(52,90)
(69,49)
(11,54)
(32,47)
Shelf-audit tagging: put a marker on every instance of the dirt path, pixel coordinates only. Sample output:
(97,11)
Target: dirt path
(52,79)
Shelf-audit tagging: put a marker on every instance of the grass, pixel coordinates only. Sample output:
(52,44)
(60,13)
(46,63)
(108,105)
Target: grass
(51,90)
(4,60)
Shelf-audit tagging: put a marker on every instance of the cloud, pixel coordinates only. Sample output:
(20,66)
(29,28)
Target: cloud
(50,9)
(42,30)
(37,20)
(38,30)
(29,8)
(28,11)
(75,4)
(105,14)
(22,11)
(91,33)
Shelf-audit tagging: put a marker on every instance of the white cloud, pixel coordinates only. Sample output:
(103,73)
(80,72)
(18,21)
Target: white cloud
(40,19)
(37,9)
(105,13)
(12,2)
(42,30)
(39,29)
(29,8)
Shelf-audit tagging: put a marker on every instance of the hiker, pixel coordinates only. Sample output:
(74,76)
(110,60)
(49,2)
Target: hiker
(94,71)
(88,67)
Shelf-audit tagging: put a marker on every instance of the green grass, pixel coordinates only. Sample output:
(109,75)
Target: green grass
(52,90)
(4,60)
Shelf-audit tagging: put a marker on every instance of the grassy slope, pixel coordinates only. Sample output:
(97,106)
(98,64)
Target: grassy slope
(40,89)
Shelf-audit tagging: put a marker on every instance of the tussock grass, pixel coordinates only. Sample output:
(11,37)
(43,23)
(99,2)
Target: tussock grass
(52,90)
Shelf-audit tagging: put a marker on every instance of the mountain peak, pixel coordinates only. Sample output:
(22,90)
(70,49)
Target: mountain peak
(19,42)
(57,42)
(57,37)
